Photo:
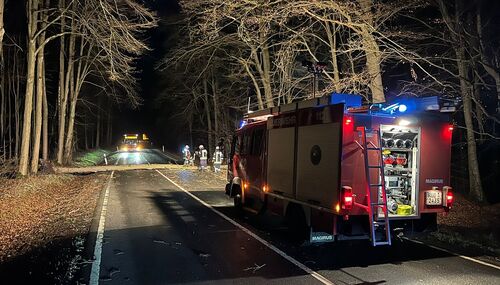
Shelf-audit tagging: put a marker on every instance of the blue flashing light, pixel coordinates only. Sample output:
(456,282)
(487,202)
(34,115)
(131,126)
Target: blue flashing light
(390,108)
(402,108)
(243,123)
(350,100)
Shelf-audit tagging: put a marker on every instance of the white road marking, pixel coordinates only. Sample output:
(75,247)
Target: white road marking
(308,270)
(455,254)
(96,264)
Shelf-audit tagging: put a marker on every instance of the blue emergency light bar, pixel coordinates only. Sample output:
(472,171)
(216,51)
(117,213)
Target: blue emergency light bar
(350,100)
(399,105)
(353,104)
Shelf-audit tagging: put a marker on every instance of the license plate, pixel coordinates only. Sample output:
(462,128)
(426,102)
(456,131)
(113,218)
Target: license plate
(433,198)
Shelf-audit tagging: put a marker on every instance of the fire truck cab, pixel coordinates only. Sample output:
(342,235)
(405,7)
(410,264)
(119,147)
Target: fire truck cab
(338,170)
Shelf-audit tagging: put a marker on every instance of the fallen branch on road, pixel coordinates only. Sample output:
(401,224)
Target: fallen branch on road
(105,168)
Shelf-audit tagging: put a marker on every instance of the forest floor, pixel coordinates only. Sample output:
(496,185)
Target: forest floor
(469,228)
(44,223)
(90,158)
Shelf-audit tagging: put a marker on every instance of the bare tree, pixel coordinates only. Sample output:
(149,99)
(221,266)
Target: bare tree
(32,11)
(40,89)
(2,29)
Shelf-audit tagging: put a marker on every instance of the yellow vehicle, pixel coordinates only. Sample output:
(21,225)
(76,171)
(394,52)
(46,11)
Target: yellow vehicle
(134,142)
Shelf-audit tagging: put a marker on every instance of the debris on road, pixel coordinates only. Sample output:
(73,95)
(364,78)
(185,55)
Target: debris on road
(162,242)
(254,268)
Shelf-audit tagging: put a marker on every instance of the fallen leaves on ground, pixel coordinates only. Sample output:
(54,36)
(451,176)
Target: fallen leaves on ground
(37,210)
(471,225)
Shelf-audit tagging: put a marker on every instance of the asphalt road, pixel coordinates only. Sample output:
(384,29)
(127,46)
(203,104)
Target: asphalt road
(157,233)
(141,157)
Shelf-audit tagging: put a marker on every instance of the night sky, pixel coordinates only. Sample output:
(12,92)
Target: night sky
(147,118)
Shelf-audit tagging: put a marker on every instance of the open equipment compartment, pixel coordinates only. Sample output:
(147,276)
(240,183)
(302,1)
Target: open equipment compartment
(400,154)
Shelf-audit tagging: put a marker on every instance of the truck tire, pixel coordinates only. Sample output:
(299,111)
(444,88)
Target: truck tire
(296,223)
(238,204)
(237,201)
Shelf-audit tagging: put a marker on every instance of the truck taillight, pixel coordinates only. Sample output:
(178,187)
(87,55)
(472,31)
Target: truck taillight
(449,198)
(348,124)
(346,198)
(448,131)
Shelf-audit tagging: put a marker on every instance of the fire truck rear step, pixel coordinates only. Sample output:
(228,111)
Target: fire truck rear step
(377,220)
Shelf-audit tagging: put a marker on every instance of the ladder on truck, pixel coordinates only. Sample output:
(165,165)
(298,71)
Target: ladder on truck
(377,210)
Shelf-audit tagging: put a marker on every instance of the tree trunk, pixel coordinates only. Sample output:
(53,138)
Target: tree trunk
(98,125)
(75,87)
(372,52)
(466,91)
(2,29)
(68,88)
(332,39)
(474,175)
(40,63)
(3,105)
(109,125)
(475,184)
(17,103)
(262,64)
(30,80)
(68,145)
(190,127)
(2,78)
(9,115)
(62,94)
(45,127)
(215,108)
(85,136)
(478,111)
(207,113)
(268,91)
(38,115)
(255,84)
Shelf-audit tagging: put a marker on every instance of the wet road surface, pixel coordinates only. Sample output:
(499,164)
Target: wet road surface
(146,156)
(155,233)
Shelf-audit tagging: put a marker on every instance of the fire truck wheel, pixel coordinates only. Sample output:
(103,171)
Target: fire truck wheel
(296,223)
(238,204)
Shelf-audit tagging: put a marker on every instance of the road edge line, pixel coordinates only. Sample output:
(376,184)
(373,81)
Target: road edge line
(96,263)
(454,253)
(292,260)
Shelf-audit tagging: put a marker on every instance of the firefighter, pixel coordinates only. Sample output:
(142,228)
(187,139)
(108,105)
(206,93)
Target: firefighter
(203,158)
(217,159)
(187,155)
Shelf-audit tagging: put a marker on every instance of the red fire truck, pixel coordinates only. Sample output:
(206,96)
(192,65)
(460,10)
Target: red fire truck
(338,170)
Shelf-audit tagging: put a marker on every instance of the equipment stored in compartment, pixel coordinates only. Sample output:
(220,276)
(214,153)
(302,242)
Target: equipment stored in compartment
(400,155)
